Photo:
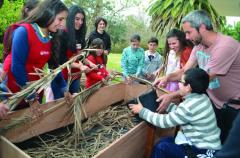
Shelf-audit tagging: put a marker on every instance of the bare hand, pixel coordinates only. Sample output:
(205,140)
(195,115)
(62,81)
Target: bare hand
(161,82)
(105,52)
(93,66)
(107,77)
(3,110)
(128,80)
(149,76)
(164,100)
(85,69)
(135,108)
(105,82)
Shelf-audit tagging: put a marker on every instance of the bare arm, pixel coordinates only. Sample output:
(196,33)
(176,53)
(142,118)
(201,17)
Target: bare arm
(178,74)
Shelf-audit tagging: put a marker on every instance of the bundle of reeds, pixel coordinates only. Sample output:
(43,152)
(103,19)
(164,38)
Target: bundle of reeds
(99,131)
(37,86)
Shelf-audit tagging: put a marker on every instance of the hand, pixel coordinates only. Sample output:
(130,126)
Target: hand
(105,52)
(3,110)
(161,82)
(149,76)
(85,69)
(93,66)
(128,80)
(156,73)
(107,77)
(136,108)
(164,100)
(105,82)
(68,98)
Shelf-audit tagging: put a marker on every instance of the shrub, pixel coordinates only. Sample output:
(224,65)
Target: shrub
(233,31)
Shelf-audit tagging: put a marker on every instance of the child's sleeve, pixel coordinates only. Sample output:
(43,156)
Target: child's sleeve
(124,63)
(93,74)
(20,50)
(177,117)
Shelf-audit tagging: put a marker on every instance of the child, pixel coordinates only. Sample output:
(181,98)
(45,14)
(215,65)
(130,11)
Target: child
(100,32)
(153,60)
(132,58)
(176,54)
(199,133)
(96,57)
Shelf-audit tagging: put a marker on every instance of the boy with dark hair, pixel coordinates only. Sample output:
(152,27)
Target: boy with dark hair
(132,60)
(153,60)
(199,134)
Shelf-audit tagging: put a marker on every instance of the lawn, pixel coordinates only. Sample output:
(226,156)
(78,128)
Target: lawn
(114,62)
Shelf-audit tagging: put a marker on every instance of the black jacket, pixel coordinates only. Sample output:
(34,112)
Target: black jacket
(231,147)
(105,37)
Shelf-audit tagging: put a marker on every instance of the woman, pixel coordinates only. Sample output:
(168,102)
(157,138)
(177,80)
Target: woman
(75,33)
(74,36)
(176,53)
(99,32)
(31,43)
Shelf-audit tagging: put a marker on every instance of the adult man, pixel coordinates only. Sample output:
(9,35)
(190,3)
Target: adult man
(217,54)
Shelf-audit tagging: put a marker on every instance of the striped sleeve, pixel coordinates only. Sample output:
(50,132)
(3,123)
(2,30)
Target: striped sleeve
(180,116)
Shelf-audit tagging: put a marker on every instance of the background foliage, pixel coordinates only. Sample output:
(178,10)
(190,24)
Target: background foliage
(165,14)
(233,31)
(9,13)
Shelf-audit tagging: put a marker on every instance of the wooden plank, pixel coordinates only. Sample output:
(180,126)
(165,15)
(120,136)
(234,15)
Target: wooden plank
(104,97)
(130,145)
(9,150)
(61,116)
(135,90)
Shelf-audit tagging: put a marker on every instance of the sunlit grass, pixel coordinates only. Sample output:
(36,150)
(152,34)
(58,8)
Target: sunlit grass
(114,62)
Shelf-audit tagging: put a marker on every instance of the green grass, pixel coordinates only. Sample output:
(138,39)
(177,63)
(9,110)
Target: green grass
(114,62)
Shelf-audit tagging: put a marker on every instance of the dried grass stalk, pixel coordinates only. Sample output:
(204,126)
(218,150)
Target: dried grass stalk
(99,131)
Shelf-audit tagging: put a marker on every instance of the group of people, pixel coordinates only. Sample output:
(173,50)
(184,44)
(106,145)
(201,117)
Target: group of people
(210,69)
(150,64)
(49,34)
(210,72)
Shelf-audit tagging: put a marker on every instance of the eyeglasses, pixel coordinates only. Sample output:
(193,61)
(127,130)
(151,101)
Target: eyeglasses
(181,81)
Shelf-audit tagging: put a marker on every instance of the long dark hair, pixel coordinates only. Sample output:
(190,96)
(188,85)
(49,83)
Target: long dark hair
(44,16)
(45,13)
(97,43)
(181,37)
(28,6)
(75,36)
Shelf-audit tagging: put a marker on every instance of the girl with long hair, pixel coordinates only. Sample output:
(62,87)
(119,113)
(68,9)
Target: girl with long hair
(32,45)
(96,57)
(72,41)
(177,52)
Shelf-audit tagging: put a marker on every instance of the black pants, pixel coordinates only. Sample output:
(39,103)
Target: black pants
(225,118)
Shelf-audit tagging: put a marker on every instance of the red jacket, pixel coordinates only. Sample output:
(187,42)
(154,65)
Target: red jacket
(38,55)
(96,75)
(185,56)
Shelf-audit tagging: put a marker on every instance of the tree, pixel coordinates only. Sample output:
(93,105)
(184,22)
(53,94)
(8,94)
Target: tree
(9,14)
(233,31)
(167,14)
(109,9)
